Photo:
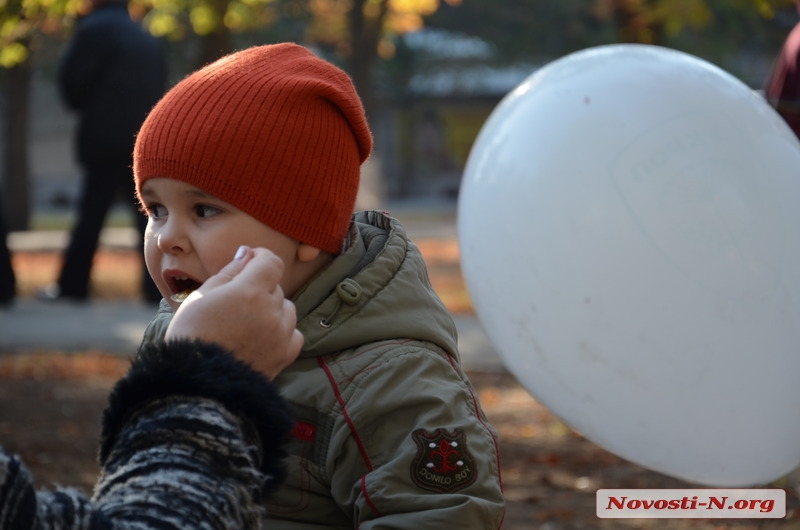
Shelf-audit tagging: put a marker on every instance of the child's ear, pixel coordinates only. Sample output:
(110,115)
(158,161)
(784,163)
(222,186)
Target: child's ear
(306,253)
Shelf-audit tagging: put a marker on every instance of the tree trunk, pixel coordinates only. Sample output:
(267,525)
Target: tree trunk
(218,42)
(364,34)
(16,176)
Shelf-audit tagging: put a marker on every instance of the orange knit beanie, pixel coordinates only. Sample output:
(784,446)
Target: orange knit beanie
(273,130)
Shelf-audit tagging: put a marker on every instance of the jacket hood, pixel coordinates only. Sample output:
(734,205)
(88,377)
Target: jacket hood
(377,289)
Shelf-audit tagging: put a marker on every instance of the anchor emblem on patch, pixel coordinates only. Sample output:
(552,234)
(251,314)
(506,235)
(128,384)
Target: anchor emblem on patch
(443,463)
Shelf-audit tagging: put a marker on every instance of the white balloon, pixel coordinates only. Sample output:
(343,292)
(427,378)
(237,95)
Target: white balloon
(629,226)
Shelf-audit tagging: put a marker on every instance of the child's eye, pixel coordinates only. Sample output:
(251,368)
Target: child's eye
(155,211)
(204,210)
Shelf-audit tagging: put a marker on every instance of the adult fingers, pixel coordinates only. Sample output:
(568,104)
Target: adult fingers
(264,269)
(297,339)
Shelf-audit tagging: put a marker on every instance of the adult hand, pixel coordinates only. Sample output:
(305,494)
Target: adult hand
(242,308)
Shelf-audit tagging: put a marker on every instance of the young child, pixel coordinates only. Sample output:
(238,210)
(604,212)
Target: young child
(263,148)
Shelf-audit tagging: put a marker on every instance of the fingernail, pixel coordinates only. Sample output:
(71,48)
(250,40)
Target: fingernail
(241,252)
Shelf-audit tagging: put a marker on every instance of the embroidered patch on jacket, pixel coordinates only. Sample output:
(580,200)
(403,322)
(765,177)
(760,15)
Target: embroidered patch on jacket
(443,463)
(302,430)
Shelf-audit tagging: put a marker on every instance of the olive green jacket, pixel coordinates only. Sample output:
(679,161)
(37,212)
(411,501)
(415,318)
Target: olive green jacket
(389,432)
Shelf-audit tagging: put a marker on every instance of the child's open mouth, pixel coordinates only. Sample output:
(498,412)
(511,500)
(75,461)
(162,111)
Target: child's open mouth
(182,286)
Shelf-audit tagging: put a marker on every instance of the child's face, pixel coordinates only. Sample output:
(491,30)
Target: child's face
(191,235)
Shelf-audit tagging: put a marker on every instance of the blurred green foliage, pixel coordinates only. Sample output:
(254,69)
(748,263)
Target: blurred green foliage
(516,27)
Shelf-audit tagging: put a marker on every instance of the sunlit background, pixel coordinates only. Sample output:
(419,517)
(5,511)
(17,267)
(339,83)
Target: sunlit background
(429,71)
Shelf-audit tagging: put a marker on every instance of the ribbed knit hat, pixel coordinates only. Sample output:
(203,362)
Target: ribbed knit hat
(273,130)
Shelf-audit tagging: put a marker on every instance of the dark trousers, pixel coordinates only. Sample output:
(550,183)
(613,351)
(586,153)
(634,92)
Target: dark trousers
(7,280)
(101,186)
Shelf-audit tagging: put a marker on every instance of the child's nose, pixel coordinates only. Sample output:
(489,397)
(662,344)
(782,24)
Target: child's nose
(172,238)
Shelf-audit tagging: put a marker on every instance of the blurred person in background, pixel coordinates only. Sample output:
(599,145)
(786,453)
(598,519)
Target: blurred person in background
(7,279)
(782,87)
(111,74)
